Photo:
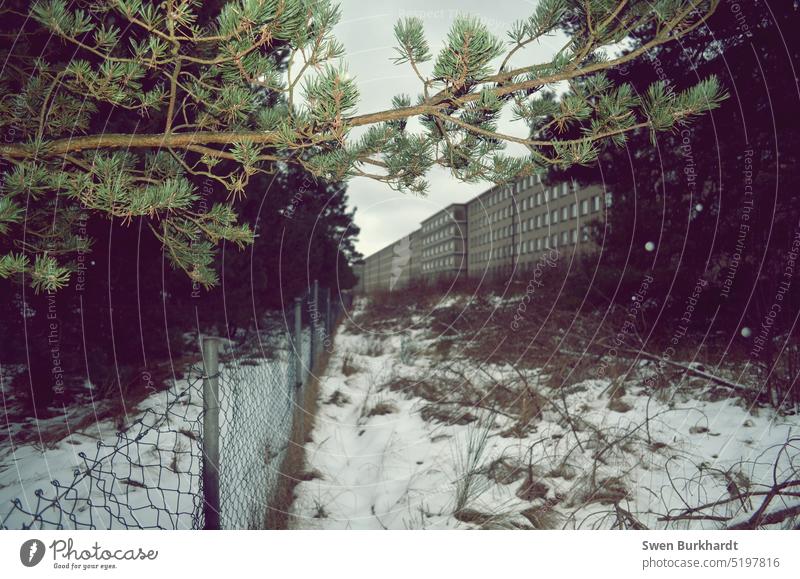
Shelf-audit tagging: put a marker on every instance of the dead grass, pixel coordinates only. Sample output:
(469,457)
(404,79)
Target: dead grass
(607,491)
(442,348)
(424,389)
(532,489)
(505,471)
(490,521)
(293,470)
(449,414)
(543,517)
(338,398)
(381,409)
(349,367)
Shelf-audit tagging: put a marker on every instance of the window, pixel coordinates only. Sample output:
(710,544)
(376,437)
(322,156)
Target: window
(596,203)
(564,188)
(546,195)
(554,241)
(573,210)
(546,219)
(538,199)
(564,213)
(585,207)
(530,223)
(538,243)
(573,236)
(524,226)
(554,216)
(538,221)
(608,199)
(564,237)
(584,233)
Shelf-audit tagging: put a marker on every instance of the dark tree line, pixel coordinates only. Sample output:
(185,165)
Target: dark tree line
(712,210)
(127,309)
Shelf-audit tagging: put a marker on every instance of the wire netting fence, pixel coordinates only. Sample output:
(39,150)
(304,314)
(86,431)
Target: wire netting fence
(150,475)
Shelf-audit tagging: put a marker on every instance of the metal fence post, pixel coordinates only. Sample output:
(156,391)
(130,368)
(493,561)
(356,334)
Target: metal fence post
(314,322)
(328,322)
(211,506)
(298,341)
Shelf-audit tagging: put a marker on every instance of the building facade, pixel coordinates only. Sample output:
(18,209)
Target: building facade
(502,230)
(510,226)
(443,244)
(390,268)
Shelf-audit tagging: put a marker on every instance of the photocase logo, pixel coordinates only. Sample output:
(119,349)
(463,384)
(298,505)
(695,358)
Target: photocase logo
(31,553)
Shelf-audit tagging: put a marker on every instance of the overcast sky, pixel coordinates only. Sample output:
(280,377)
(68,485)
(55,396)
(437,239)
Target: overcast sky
(366,32)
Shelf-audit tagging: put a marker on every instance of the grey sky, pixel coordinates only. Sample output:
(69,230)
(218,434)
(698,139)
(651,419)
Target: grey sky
(366,32)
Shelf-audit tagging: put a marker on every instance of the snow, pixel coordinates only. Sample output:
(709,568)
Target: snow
(406,437)
(145,477)
(653,455)
(148,474)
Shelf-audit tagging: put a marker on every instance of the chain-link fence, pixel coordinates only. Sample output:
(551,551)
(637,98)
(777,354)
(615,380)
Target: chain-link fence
(156,473)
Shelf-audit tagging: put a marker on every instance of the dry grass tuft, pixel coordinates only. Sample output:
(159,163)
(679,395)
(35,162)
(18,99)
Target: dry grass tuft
(607,491)
(505,471)
(449,414)
(338,398)
(543,517)
(532,489)
(415,389)
(381,409)
(349,367)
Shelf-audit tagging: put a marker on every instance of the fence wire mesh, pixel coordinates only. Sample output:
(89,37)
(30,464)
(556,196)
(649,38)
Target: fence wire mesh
(149,475)
(146,477)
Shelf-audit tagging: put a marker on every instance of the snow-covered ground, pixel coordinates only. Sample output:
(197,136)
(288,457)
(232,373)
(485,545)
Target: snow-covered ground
(145,476)
(143,470)
(406,438)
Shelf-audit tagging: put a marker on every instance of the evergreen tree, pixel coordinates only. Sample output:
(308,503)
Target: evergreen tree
(118,107)
(717,201)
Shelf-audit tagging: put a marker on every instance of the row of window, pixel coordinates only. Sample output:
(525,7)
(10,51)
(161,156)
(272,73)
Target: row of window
(439,263)
(566,210)
(442,234)
(540,243)
(507,192)
(537,222)
(446,217)
(529,202)
(439,249)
